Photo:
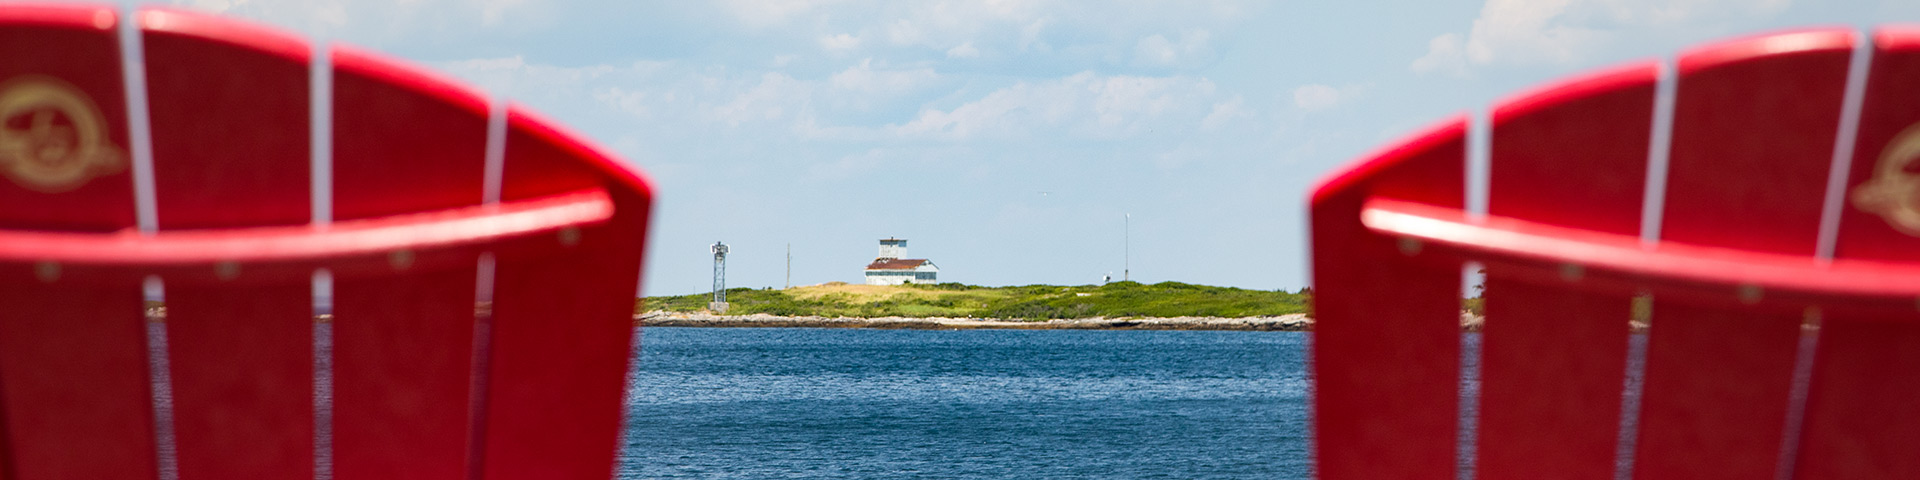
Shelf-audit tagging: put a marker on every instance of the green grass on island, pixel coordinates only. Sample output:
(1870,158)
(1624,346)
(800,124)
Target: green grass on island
(1032,302)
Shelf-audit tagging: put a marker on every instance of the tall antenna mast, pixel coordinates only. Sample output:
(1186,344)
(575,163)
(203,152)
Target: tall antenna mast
(719,302)
(789,266)
(1126,255)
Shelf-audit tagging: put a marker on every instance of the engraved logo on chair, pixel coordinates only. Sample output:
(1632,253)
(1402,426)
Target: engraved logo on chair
(52,136)
(1894,191)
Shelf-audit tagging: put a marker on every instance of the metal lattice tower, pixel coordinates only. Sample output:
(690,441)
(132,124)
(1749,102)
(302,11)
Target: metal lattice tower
(719,272)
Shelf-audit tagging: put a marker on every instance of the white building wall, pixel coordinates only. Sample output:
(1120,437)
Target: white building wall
(893,250)
(891,277)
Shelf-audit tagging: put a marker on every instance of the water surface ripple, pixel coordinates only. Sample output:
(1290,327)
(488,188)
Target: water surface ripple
(854,403)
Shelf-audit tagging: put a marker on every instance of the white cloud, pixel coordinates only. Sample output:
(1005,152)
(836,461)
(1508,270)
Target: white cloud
(766,13)
(1514,31)
(212,5)
(863,100)
(904,33)
(494,74)
(863,78)
(776,96)
(1675,12)
(1157,50)
(633,89)
(493,11)
(1075,32)
(965,50)
(1566,31)
(849,165)
(500,63)
(1084,105)
(1225,113)
(1030,37)
(365,19)
(1316,97)
(633,102)
(514,74)
(840,42)
(307,16)
(1176,158)
(1446,53)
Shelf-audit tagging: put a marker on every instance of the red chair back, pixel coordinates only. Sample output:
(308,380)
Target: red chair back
(434,204)
(1783,200)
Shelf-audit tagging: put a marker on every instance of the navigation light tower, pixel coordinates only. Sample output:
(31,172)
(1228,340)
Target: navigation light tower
(719,302)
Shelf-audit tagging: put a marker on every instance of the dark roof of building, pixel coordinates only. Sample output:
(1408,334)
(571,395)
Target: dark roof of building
(895,263)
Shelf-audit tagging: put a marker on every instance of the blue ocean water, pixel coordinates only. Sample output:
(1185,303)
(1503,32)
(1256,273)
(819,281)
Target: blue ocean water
(857,403)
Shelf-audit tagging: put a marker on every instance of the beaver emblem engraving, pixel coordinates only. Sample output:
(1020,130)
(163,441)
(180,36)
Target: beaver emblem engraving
(53,138)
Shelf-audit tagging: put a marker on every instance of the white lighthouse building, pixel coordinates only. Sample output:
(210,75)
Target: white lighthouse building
(890,269)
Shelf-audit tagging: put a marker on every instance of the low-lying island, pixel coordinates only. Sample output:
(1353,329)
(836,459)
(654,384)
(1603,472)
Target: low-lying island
(1293,322)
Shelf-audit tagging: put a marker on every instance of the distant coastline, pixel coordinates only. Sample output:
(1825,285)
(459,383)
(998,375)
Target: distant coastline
(950,306)
(1281,323)
(1122,299)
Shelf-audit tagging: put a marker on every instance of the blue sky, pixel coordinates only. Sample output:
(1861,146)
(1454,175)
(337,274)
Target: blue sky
(1009,139)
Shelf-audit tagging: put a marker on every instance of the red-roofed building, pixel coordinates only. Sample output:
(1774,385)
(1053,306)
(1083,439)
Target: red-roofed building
(890,269)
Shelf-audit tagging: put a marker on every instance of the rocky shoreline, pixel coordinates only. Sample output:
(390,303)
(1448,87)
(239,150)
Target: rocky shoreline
(1283,323)
(1298,322)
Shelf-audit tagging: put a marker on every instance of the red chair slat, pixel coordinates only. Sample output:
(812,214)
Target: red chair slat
(1866,373)
(1574,154)
(230,104)
(1860,421)
(1718,376)
(403,342)
(242,371)
(91,189)
(1716,390)
(73,368)
(542,160)
(554,395)
(1385,405)
(1552,365)
(1763,110)
(402,141)
(403,356)
(74,361)
(230,109)
(1553,358)
(1873,224)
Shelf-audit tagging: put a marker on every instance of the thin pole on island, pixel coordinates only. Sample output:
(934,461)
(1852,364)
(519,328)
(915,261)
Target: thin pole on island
(789,266)
(1126,252)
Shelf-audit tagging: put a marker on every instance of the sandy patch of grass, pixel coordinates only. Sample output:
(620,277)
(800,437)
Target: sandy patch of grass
(875,293)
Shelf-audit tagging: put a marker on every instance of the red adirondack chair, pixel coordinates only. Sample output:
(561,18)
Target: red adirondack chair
(434,199)
(1787,195)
